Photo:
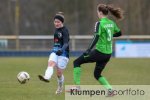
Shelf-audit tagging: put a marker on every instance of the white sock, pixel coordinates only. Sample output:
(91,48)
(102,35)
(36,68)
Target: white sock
(60,79)
(48,72)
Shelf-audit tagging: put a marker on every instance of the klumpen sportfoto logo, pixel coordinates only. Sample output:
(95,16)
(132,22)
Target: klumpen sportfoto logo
(97,91)
(109,92)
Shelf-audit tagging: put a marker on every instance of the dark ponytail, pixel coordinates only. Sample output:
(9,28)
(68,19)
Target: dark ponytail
(105,9)
(117,12)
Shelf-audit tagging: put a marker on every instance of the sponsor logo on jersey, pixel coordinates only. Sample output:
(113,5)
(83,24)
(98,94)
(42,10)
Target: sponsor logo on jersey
(59,35)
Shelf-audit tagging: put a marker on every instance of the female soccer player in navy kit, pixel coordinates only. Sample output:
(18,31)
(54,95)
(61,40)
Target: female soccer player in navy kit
(60,53)
(105,30)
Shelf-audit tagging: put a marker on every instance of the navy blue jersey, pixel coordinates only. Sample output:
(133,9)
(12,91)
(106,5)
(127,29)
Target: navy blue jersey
(61,41)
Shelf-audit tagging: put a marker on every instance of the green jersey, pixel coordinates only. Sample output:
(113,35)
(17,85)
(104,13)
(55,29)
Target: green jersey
(105,28)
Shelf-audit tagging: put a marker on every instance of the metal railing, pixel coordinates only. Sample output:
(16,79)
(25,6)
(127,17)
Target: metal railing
(44,42)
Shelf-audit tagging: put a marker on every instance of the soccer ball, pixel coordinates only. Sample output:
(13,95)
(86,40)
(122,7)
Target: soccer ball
(23,77)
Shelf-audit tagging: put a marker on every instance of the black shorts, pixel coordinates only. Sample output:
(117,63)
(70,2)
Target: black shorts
(101,59)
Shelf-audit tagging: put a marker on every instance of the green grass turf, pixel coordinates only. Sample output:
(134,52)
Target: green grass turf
(118,72)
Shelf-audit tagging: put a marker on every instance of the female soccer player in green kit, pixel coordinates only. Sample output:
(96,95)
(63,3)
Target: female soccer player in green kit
(105,30)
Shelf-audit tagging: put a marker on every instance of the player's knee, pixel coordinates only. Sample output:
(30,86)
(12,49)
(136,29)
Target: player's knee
(97,72)
(59,73)
(76,63)
(51,63)
(97,75)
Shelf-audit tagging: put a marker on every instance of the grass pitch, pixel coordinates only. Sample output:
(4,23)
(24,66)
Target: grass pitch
(118,72)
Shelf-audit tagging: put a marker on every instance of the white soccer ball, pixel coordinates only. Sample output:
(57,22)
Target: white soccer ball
(23,77)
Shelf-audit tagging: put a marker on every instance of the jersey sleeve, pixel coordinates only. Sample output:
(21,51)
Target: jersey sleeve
(93,42)
(96,36)
(97,30)
(116,29)
(65,39)
(65,36)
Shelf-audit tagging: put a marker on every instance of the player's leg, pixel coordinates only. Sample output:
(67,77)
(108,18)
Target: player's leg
(77,65)
(62,63)
(102,80)
(100,65)
(60,80)
(77,69)
(52,62)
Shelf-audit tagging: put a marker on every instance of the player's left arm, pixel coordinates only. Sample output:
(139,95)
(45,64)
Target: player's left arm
(65,39)
(117,31)
(117,34)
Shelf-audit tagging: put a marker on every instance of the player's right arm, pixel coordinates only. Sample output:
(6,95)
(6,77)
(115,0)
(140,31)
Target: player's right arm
(95,38)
